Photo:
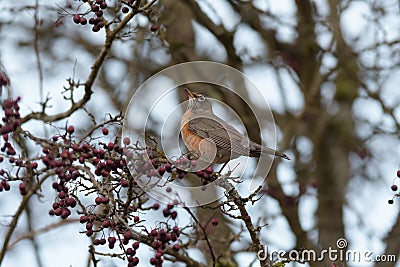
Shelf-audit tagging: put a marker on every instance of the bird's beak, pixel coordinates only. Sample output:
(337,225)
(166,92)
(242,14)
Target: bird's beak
(190,93)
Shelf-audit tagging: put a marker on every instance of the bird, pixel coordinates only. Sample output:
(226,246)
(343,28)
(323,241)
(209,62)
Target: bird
(212,140)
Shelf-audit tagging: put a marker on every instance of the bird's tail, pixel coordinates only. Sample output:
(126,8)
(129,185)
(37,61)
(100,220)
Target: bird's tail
(256,152)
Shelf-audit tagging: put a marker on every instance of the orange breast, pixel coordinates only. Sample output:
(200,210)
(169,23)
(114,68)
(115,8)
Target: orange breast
(191,140)
(204,149)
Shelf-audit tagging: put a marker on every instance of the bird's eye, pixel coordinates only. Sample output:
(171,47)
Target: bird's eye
(201,98)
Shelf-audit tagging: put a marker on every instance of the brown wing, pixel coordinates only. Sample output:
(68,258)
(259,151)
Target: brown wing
(220,133)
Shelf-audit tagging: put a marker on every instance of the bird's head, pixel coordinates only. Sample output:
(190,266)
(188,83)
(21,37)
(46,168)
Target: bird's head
(198,103)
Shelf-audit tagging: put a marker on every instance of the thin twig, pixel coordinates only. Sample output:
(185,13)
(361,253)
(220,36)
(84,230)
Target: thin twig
(205,234)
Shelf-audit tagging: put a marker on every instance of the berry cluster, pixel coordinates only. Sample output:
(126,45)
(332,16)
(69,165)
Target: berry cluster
(162,238)
(65,160)
(159,238)
(11,117)
(62,205)
(101,171)
(155,165)
(4,185)
(97,10)
(168,212)
(11,122)
(394,189)
(206,175)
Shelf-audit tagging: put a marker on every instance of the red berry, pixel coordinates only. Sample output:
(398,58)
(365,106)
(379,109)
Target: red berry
(390,201)
(104,131)
(181,175)
(247,218)
(166,212)
(135,261)
(95,28)
(77,19)
(161,170)
(62,195)
(398,173)
(125,10)
(174,214)
(106,224)
(394,187)
(156,206)
(98,200)
(83,219)
(154,232)
(71,202)
(89,226)
(168,167)
(58,211)
(176,247)
(103,5)
(22,189)
(112,239)
(105,200)
(65,213)
(136,245)
(128,235)
(124,183)
(71,129)
(153,28)
(7,187)
(126,141)
(91,218)
(83,21)
(130,252)
(89,232)
(136,218)
(110,145)
(155,244)
(34,165)
(209,170)
(153,261)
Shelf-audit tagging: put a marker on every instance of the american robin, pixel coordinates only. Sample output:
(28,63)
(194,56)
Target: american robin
(211,139)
